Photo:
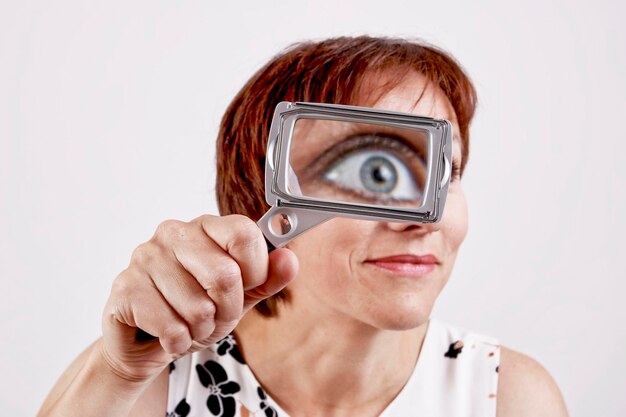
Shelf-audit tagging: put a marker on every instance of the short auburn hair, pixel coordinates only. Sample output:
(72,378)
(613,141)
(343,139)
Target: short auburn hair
(328,71)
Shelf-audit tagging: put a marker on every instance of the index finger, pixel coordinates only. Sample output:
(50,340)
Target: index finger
(242,239)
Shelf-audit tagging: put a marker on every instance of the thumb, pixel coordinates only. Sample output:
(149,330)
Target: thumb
(283,268)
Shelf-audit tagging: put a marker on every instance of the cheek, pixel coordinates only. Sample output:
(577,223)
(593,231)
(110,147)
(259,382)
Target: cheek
(330,246)
(455,217)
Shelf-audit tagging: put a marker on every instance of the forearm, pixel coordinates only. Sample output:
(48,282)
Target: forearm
(93,391)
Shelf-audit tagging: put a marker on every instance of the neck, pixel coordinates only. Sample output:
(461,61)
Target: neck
(350,368)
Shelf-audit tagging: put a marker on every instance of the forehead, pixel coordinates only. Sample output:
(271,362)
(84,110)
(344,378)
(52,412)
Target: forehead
(414,93)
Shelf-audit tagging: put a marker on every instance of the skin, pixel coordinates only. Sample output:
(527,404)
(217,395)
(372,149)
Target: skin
(374,310)
(194,282)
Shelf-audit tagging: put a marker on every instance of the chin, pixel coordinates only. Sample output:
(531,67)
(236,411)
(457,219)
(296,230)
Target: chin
(400,315)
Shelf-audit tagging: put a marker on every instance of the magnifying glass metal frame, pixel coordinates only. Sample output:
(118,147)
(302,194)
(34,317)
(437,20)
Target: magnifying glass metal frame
(303,213)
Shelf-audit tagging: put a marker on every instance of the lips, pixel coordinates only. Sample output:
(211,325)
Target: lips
(415,265)
(408,259)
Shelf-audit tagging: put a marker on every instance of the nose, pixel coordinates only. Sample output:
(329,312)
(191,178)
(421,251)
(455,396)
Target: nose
(414,227)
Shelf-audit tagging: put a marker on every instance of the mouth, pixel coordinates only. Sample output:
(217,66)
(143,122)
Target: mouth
(407,264)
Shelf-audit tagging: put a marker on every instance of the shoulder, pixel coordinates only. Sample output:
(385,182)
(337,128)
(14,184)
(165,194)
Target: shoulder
(525,388)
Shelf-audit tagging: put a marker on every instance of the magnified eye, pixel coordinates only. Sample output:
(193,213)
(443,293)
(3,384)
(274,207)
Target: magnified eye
(375,173)
(378,174)
(380,168)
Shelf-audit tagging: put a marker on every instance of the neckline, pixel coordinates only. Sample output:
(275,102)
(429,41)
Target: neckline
(418,370)
(404,391)
(252,377)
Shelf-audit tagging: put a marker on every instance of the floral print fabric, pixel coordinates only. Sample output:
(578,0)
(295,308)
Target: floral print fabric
(456,375)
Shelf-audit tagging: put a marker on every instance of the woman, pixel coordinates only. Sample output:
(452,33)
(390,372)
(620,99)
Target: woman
(337,322)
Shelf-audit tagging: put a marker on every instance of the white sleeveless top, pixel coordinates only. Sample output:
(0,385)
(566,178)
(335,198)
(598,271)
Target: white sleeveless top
(456,375)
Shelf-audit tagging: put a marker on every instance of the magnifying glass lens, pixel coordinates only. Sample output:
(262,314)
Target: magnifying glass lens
(353,162)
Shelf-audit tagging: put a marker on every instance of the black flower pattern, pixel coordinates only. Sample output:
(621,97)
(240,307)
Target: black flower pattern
(229,345)
(220,401)
(454,350)
(267,409)
(181,410)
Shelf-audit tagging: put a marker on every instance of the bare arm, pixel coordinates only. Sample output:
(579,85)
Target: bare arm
(88,387)
(188,286)
(526,389)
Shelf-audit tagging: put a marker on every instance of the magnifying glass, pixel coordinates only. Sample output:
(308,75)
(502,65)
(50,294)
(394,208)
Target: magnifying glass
(327,160)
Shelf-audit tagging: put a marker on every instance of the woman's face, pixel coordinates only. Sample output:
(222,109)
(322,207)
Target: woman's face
(366,270)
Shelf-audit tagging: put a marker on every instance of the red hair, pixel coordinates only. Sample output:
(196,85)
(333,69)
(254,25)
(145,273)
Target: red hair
(330,71)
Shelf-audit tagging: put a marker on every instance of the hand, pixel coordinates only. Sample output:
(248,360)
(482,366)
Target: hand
(189,286)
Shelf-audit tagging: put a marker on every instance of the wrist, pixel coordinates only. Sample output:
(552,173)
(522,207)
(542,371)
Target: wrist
(98,389)
(115,374)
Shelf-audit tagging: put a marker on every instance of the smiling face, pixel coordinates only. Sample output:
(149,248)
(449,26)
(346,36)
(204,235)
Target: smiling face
(385,274)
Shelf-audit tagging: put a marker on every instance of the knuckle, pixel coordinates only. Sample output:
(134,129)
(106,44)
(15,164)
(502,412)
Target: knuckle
(169,229)
(204,218)
(203,312)
(123,284)
(143,254)
(228,279)
(245,233)
(175,334)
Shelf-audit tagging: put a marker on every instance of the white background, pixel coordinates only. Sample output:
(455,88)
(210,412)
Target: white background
(108,113)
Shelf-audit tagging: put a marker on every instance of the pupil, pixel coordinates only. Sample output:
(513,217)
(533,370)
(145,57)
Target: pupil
(378,175)
(381,174)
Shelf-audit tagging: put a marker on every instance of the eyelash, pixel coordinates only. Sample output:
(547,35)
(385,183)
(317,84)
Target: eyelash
(362,142)
(456,168)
